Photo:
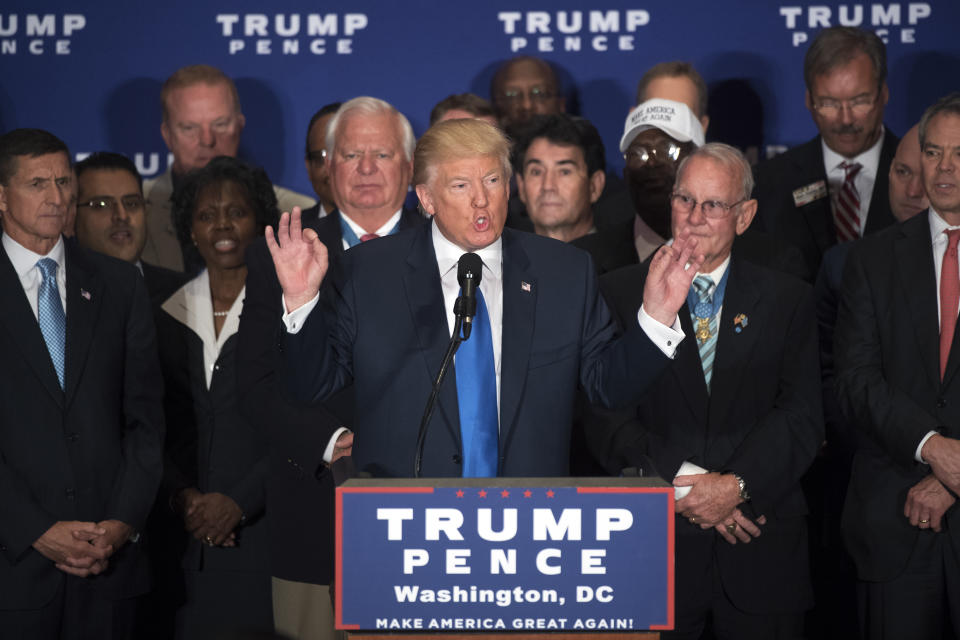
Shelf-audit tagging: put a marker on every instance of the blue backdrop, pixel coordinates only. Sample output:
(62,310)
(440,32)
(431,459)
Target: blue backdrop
(92,74)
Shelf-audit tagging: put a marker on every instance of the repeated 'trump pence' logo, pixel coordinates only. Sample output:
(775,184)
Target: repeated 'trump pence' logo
(572,31)
(37,34)
(892,22)
(291,34)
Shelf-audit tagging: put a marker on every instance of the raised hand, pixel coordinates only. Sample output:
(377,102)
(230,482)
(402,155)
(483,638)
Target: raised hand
(671,271)
(299,257)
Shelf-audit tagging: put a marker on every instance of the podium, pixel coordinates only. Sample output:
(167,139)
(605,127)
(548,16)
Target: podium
(506,557)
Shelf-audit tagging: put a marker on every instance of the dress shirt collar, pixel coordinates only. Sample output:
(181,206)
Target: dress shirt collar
(937,226)
(717,274)
(382,231)
(23,259)
(448,254)
(869,159)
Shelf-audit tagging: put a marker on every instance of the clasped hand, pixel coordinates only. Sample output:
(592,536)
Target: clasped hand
(712,504)
(82,548)
(211,518)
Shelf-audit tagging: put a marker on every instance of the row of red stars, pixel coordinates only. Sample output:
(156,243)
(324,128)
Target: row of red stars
(503,494)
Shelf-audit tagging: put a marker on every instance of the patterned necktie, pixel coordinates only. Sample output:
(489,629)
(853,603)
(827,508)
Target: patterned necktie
(53,322)
(477,398)
(705,321)
(846,213)
(949,296)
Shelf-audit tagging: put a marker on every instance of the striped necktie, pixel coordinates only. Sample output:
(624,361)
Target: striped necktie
(846,213)
(705,324)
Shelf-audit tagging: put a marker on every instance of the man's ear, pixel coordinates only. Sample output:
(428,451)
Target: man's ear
(597,182)
(747,211)
(426,199)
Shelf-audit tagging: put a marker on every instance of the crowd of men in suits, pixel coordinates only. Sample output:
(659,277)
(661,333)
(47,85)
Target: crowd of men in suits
(776,341)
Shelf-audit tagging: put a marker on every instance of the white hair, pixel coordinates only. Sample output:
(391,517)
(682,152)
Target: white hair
(728,157)
(371,106)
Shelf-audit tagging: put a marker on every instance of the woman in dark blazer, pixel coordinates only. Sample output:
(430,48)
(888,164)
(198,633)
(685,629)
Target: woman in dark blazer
(215,460)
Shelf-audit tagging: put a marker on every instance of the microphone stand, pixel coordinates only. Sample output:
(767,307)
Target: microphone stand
(452,347)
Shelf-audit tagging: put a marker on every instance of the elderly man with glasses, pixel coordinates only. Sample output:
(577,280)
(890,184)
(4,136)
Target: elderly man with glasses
(733,422)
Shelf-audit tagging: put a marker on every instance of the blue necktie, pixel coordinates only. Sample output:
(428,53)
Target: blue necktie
(53,322)
(706,340)
(477,398)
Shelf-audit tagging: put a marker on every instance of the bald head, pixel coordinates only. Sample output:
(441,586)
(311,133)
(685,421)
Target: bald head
(523,87)
(907,195)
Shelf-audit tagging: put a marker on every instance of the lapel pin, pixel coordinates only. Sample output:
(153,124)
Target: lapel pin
(84,294)
(740,322)
(526,286)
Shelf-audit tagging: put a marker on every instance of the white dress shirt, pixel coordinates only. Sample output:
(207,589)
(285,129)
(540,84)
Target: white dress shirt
(192,305)
(870,161)
(360,231)
(25,264)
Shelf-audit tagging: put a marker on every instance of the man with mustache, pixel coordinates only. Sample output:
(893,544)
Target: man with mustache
(834,188)
(111,220)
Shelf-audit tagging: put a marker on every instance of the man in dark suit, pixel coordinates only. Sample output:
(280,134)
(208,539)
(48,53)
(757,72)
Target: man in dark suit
(111,219)
(902,390)
(541,325)
(316,162)
(559,164)
(368,164)
(735,420)
(834,187)
(81,428)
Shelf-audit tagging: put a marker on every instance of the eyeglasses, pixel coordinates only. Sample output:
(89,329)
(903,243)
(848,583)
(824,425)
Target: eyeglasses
(536,94)
(710,208)
(860,106)
(667,152)
(317,157)
(130,203)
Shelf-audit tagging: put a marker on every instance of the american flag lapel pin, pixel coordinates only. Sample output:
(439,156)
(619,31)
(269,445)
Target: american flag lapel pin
(526,286)
(84,294)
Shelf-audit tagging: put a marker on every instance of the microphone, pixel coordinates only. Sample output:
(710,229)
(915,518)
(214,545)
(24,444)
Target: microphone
(469,272)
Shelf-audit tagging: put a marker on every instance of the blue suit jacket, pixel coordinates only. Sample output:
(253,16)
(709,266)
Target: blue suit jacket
(389,333)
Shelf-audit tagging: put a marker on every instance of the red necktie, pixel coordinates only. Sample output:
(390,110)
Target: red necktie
(949,296)
(368,236)
(846,213)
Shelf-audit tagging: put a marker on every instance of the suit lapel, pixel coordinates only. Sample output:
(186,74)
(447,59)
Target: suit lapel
(734,349)
(17,317)
(424,294)
(84,297)
(880,216)
(519,315)
(688,367)
(817,214)
(918,286)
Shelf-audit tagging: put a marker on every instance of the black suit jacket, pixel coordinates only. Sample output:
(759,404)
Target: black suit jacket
(761,420)
(299,487)
(389,334)
(888,380)
(90,452)
(810,227)
(212,445)
(161,282)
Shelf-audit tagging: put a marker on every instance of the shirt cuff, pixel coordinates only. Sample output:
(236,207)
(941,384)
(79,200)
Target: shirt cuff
(294,320)
(686,469)
(666,338)
(328,452)
(916,454)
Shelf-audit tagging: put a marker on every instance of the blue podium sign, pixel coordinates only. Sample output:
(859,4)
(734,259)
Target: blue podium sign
(505,554)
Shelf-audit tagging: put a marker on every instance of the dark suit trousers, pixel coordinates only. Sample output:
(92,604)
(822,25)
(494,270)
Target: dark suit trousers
(77,612)
(923,603)
(702,602)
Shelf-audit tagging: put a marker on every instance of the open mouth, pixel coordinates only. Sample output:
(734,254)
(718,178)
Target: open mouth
(481,224)
(225,246)
(121,237)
